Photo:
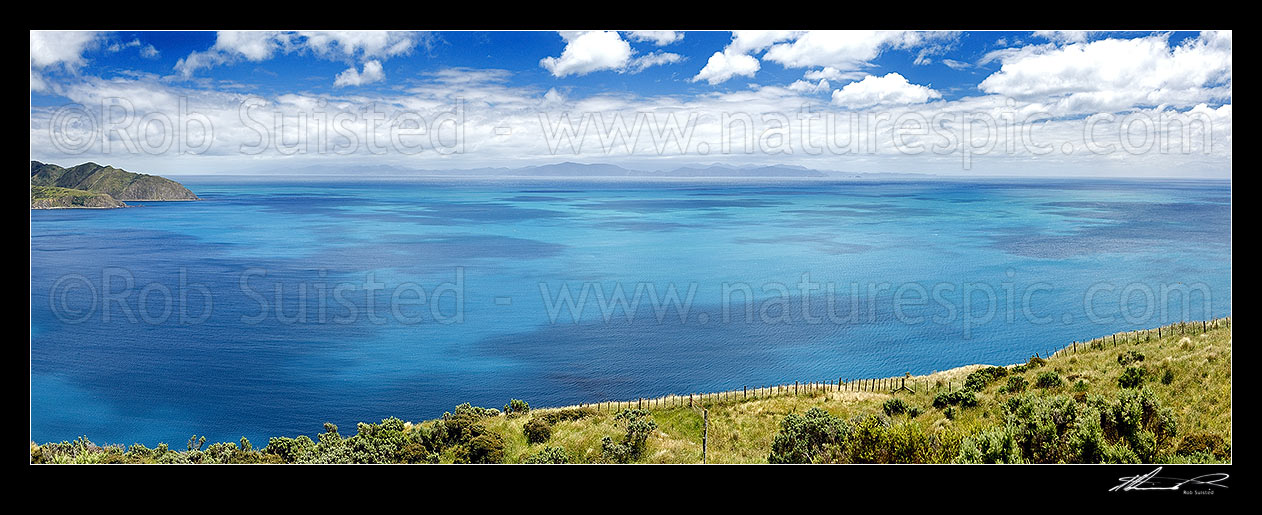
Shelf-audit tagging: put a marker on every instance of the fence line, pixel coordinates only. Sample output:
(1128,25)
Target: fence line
(886,384)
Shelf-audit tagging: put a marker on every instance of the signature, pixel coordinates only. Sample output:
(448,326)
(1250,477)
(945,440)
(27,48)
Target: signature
(1151,481)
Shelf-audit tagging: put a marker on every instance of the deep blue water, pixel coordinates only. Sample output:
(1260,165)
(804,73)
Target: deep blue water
(112,357)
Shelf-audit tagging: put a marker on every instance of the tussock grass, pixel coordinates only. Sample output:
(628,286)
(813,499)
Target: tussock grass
(742,428)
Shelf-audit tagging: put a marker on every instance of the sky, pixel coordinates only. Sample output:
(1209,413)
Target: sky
(1047,103)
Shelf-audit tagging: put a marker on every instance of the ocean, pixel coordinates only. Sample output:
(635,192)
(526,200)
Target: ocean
(276,304)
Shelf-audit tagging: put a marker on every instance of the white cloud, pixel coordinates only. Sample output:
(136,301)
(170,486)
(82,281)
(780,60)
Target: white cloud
(491,102)
(653,59)
(587,52)
(1063,36)
(747,41)
(58,49)
(955,65)
(372,73)
(892,89)
(833,74)
(805,86)
(843,49)
(364,46)
(657,37)
(840,53)
(725,65)
(369,44)
(1115,74)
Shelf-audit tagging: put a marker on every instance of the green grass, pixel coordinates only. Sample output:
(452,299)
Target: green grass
(743,424)
(54,197)
(741,429)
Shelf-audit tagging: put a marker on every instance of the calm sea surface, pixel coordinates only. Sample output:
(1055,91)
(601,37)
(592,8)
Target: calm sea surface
(275,305)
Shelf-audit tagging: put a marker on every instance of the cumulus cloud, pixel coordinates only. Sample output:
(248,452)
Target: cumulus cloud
(837,53)
(364,46)
(735,61)
(844,49)
(833,74)
(491,102)
(653,59)
(1115,74)
(1063,36)
(805,86)
(657,37)
(587,52)
(727,64)
(371,44)
(351,77)
(892,89)
(57,49)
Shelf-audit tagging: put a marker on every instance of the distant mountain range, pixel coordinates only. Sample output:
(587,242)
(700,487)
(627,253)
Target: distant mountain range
(576,170)
(91,185)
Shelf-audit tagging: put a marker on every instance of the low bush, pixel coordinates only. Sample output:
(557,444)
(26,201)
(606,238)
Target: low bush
(897,406)
(1049,379)
(537,430)
(961,398)
(549,455)
(1128,357)
(978,380)
(1132,377)
(638,425)
(1016,384)
(1204,444)
(516,408)
(564,414)
(816,436)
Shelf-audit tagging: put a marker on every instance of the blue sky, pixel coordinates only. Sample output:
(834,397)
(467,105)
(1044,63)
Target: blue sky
(510,81)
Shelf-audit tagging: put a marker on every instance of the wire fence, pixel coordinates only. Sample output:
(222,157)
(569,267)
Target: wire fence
(884,384)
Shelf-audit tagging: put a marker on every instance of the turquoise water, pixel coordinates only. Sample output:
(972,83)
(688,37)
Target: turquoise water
(845,279)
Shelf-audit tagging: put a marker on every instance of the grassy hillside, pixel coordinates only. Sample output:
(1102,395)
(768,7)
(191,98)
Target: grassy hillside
(51,197)
(113,182)
(1145,398)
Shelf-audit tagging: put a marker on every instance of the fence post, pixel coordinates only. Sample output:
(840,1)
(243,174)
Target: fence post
(705,433)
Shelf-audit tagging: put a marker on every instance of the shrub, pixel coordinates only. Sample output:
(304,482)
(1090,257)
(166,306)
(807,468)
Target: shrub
(810,438)
(487,447)
(961,398)
(1128,357)
(1204,444)
(978,380)
(638,425)
(416,452)
(1048,379)
(549,455)
(554,416)
(949,413)
(875,439)
(1137,421)
(1016,384)
(1132,377)
(1167,377)
(516,407)
(289,450)
(990,446)
(898,407)
(537,430)
(1035,362)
